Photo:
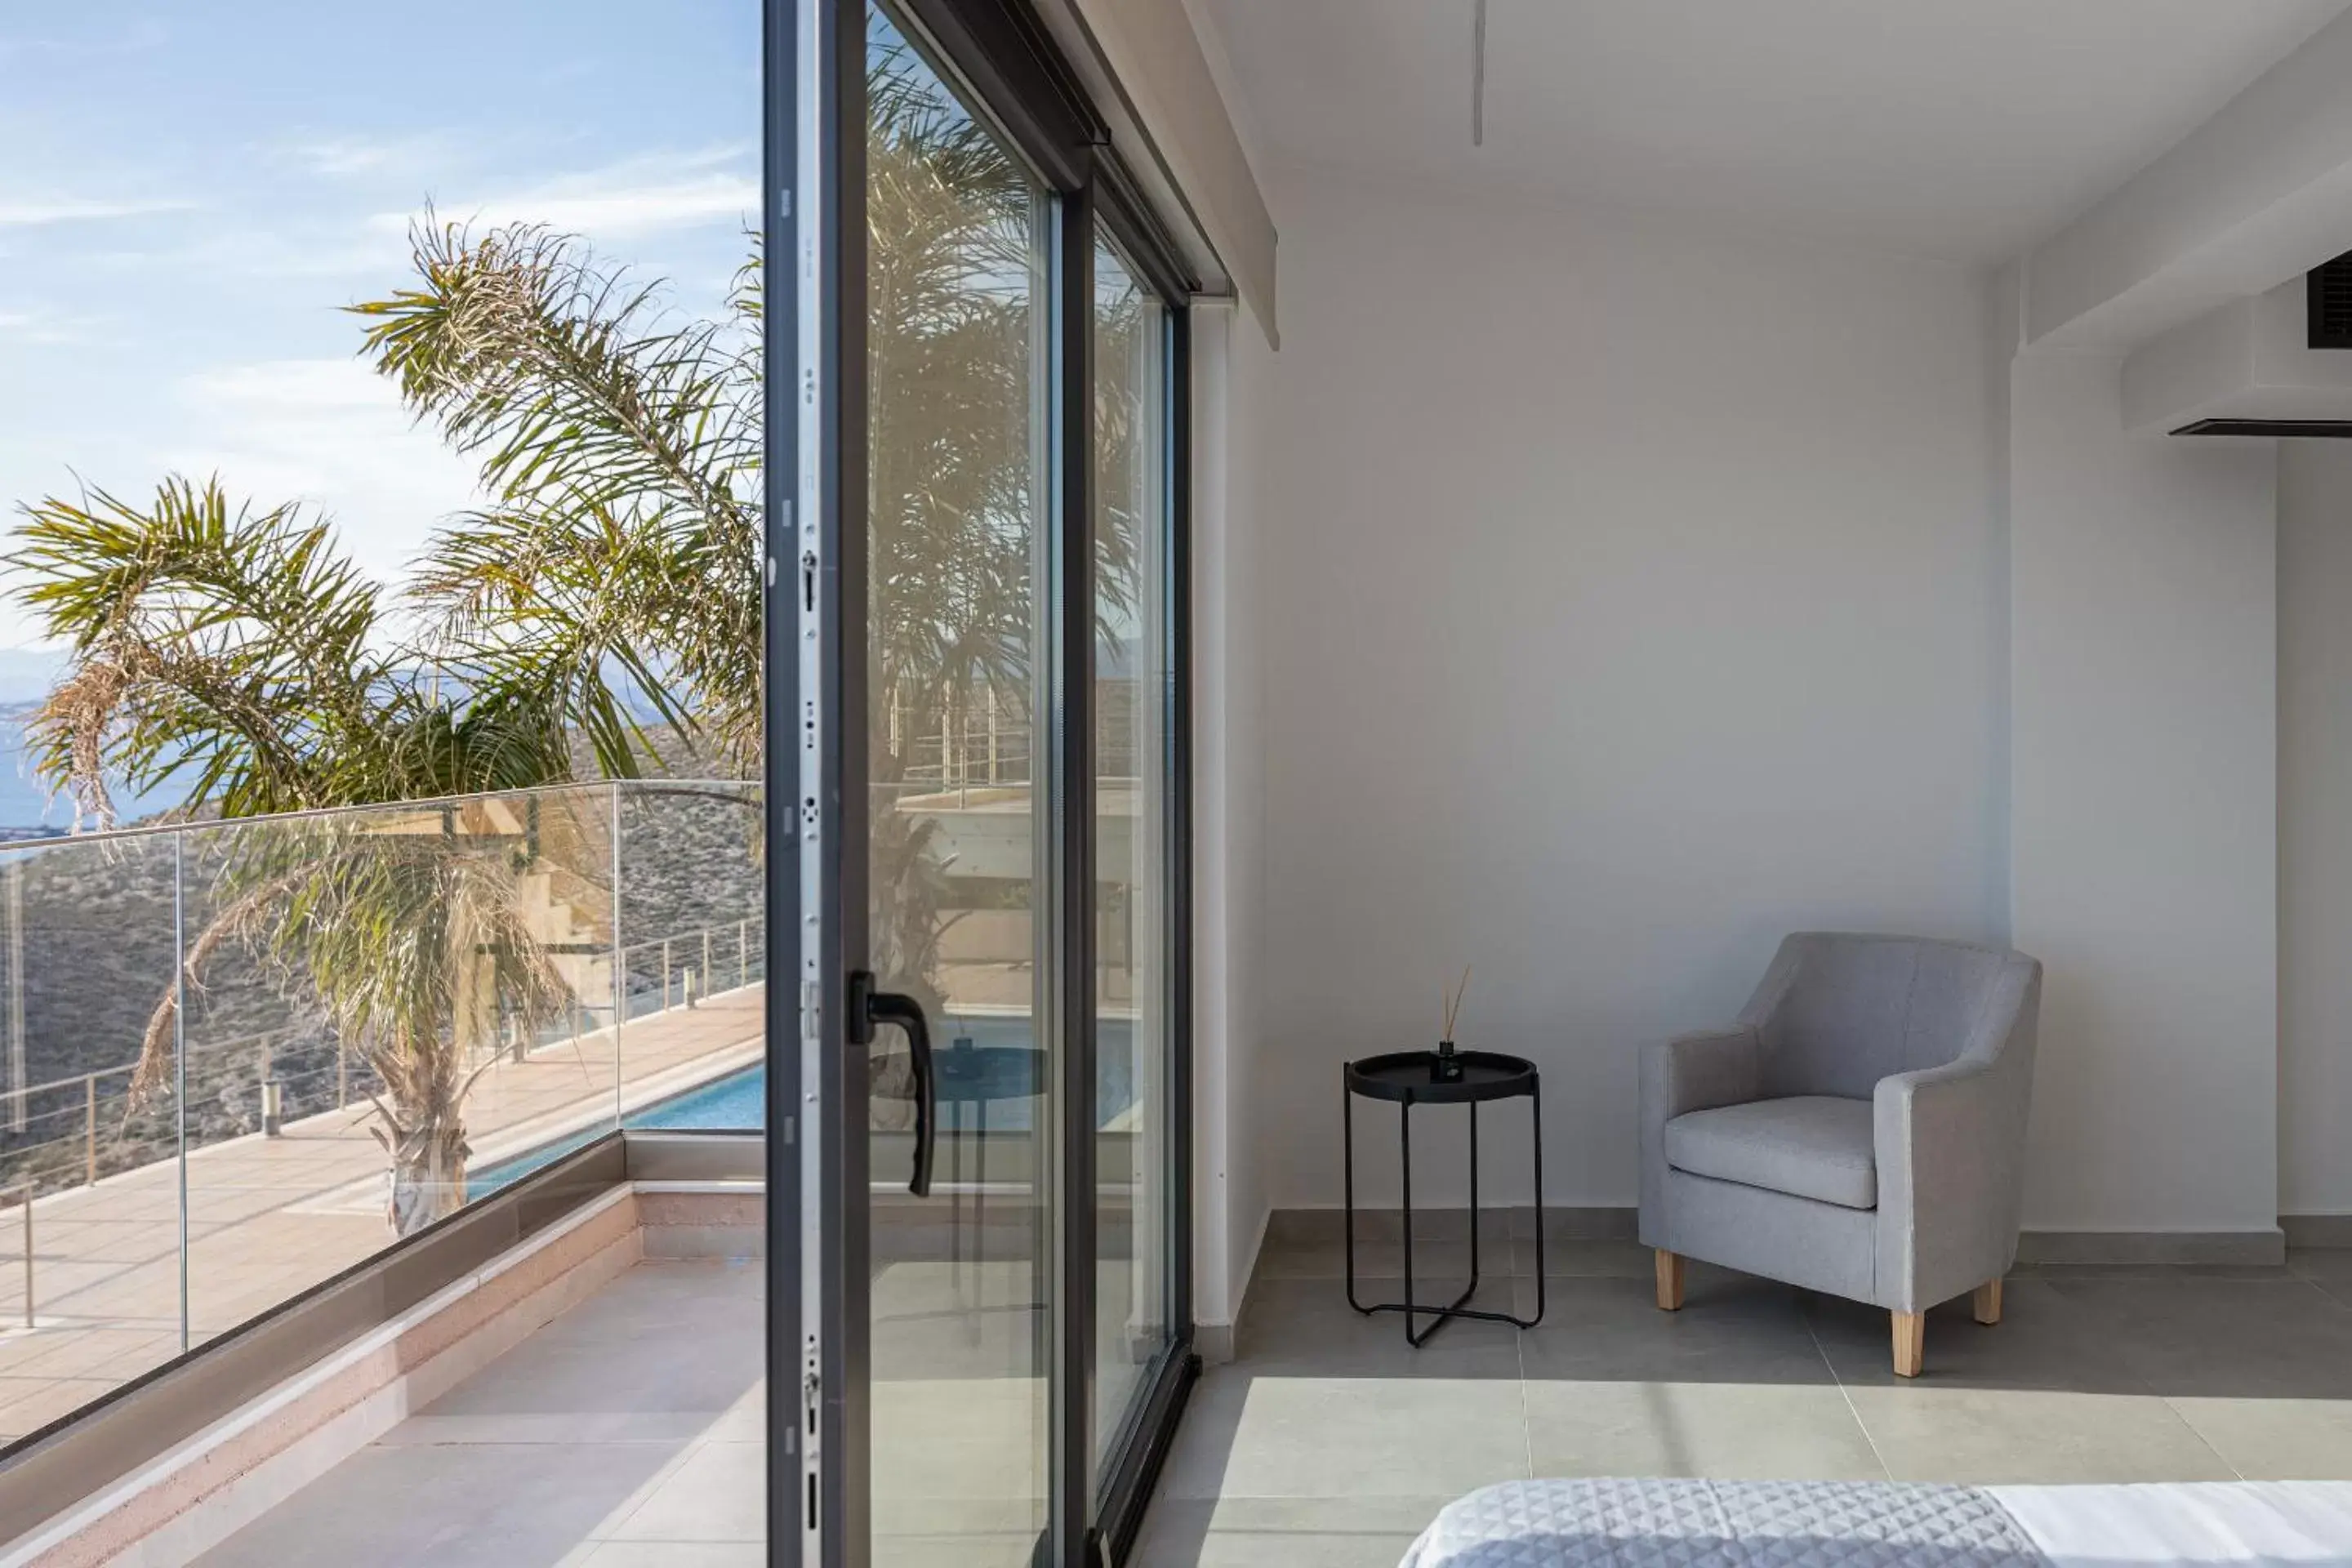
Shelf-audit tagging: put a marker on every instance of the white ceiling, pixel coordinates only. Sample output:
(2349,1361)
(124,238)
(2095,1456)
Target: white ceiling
(1962,129)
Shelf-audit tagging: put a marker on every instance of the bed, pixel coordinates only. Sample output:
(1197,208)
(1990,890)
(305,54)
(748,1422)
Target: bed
(1663,1523)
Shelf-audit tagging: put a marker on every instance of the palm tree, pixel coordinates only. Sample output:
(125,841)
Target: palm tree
(411,930)
(240,647)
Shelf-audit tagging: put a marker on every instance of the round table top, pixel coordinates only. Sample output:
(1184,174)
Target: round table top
(1411,1076)
(978,1074)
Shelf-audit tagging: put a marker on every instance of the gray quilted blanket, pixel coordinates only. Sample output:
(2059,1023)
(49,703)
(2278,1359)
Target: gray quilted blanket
(1724,1524)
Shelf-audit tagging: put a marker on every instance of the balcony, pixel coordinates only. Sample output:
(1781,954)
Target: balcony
(189,1141)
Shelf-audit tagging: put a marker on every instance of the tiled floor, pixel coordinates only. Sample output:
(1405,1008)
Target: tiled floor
(626,1434)
(1330,1443)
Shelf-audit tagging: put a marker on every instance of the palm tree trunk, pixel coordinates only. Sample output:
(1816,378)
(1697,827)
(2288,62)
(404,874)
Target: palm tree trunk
(427,1177)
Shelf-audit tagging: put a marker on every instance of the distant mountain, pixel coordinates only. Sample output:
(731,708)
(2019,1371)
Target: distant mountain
(26,808)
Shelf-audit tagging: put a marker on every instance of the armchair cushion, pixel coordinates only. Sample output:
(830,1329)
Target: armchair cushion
(1811,1145)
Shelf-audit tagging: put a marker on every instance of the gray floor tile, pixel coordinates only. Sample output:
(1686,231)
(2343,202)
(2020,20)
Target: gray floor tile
(471,1506)
(2046,1339)
(1924,1432)
(1741,1431)
(1282,1532)
(1306,1325)
(2276,1439)
(703,1373)
(1265,1434)
(604,1416)
(1588,1259)
(1612,1330)
(676,1554)
(678,1429)
(1385,1260)
(718,1492)
(2330,1269)
(2226,1338)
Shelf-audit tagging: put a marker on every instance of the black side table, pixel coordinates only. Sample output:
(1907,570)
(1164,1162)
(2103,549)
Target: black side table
(1410,1079)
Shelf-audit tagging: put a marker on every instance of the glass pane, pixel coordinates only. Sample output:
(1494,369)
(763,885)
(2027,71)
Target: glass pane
(694,954)
(957,295)
(88,1126)
(1131,708)
(380,1026)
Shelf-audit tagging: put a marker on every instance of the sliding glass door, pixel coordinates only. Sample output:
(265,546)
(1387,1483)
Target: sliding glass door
(957,286)
(976,746)
(1133,686)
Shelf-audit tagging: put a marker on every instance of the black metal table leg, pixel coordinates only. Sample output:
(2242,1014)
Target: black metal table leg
(1458,1307)
(1348,1189)
(1535,1122)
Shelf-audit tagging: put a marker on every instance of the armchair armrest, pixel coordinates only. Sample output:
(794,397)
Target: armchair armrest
(1720,1067)
(1949,1142)
(1695,1072)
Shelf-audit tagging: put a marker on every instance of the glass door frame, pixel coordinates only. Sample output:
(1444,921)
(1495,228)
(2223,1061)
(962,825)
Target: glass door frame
(819,1456)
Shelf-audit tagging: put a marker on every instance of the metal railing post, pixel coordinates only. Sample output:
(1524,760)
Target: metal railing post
(89,1124)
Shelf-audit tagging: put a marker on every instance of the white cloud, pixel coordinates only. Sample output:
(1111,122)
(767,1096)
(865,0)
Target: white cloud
(45,326)
(625,200)
(30,211)
(142,36)
(332,433)
(346,156)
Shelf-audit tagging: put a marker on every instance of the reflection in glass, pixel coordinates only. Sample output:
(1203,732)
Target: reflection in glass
(1132,686)
(956,293)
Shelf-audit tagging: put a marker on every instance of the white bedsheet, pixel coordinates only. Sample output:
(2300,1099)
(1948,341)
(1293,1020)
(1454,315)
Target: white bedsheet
(2186,1525)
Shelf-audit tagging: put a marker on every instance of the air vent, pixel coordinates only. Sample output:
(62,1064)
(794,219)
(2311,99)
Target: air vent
(2310,429)
(2329,307)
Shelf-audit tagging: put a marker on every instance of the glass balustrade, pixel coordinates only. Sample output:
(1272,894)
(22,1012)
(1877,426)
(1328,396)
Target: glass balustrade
(238,1056)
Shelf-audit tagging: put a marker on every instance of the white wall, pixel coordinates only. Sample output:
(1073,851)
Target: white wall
(2314,611)
(1633,595)
(2143,808)
(1231,365)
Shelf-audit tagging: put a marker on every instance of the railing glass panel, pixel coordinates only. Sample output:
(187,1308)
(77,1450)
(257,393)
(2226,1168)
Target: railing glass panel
(238,1056)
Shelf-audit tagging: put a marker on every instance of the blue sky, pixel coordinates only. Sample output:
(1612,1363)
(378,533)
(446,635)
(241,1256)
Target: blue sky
(190,192)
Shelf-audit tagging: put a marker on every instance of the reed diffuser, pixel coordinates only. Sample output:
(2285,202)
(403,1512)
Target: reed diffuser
(1447,1068)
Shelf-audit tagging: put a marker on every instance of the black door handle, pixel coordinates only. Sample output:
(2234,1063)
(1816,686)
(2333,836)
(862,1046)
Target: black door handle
(869,1007)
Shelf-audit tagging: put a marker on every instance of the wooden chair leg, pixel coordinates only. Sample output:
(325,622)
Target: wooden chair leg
(1670,1281)
(1987,1302)
(1910,1342)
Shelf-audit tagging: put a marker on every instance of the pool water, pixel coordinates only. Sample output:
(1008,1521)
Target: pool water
(738,1103)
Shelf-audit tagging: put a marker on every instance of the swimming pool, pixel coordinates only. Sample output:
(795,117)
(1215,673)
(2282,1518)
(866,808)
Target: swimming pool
(738,1103)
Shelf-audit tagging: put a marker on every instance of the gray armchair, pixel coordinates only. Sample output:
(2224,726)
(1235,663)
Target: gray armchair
(1861,1130)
